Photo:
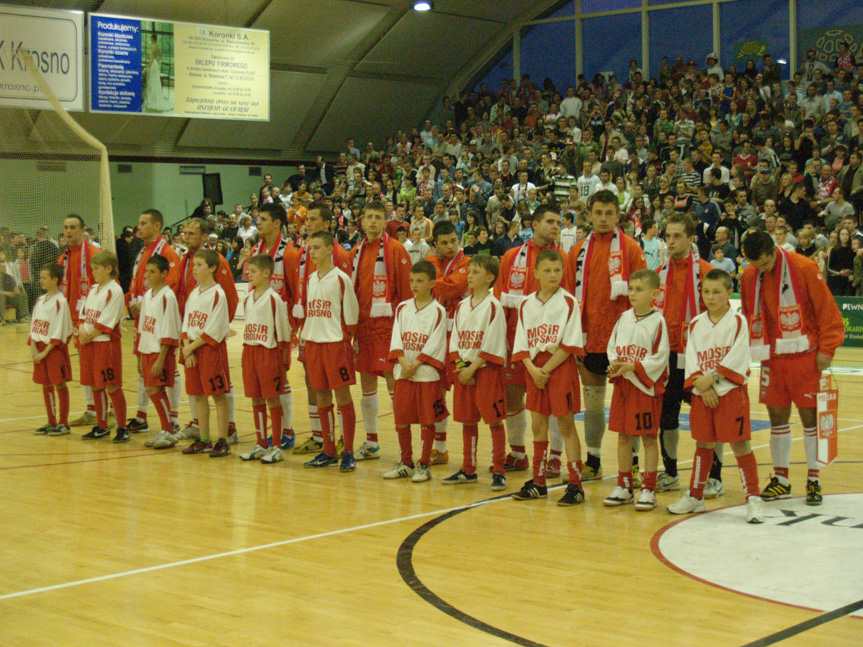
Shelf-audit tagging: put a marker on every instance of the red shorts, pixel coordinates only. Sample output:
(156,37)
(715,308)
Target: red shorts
(372,357)
(485,400)
(561,396)
(418,403)
(790,378)
(210,374)
(329,365)
(263,372)
(166,377)
(633,412)
(102,364)
(55,368)
(727,423)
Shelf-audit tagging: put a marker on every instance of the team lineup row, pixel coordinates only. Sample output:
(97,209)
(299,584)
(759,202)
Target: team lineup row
(565,319)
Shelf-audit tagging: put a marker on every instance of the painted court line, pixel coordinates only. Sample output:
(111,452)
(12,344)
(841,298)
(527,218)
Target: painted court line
(242,551)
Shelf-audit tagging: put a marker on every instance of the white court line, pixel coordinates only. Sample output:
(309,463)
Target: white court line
(296,540)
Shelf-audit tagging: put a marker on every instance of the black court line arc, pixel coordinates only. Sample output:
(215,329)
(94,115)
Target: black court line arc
(806,625)
(404,561)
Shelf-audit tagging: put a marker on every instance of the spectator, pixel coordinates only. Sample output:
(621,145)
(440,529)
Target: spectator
(840,265)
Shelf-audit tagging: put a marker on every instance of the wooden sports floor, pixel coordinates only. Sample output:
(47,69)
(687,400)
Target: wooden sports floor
(122,545)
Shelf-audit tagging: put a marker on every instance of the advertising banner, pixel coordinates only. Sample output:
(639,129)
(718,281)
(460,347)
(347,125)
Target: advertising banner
(852,316)
(55,40)
(178,69)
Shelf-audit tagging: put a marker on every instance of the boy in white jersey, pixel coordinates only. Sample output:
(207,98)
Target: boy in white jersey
(101,353)
(477,348)
(638,355)
(547,338)
(206,325)
(332,312)
(266,356)
(717,370)
(418,344)
(50,330)
(158,337)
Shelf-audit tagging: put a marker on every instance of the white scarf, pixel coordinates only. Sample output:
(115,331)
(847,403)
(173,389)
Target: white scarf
(792,336)
(277,252)
(691,295)
(516,280)
(617,266)
(381,292)
(156,250)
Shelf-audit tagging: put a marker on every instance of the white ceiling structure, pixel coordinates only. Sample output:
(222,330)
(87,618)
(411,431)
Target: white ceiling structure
(339,68)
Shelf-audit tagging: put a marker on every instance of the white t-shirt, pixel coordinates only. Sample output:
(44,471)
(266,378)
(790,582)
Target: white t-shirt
(331,307)
(479,331)
(567,237)
(722,347)
(587,186)
(104,309)
(207,315)
(643,342)
(419,334)
(545,327)
(266,321)
(159,322)
(51,321)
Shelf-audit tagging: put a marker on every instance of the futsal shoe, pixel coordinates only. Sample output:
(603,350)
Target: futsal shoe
(198,447)
(348,463)
(310,446)
(321,460)
(60,430)
(220,449)
(190,432)
(498,482)
(572,496)
(122,436)
(165,440)
(96,433)
(713,488)
(513,464)
(619,496)
(775,490)
(368,451)
(646,501)
(687,504)
(233,436)
(86,419)
(135,426)
(340,446)
(813,493)
(636,478)
(44,430)
(254,454)
(439,458)
(400,471)
(552,468)
(754,510)
(273,455)
(460,478)
(591,473)
(289,438)
(666,483)
(530,490)
(421,473)
(152,439)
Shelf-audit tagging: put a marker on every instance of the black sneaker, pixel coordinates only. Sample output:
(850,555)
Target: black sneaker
(530,490)
(460,477)
(136,426)
(813,493)
(122,435)
(95,433)
(775,490)
(573,495)
(498,482)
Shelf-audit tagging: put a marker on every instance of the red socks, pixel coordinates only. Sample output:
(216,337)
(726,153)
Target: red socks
(48,396)
(749,474)
(101,402)
(349,425)
(276,414)
(163,408)
(404,433)
(427,436)
(624,479)
(540,447)
(326,414)
(700,471)
(575,472)
(498,447)
(63,401)
(118,400)
(470,435)
(259,412)
(649,482)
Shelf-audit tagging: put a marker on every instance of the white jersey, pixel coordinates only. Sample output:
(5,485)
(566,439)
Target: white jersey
(643,342)
(207,315)
(545,327)
(722,347)
(479,332)
(419,334)
(51,322)
(587,186)
(568,238)
(266,320)
(332,309)
(104,309)
(159,322)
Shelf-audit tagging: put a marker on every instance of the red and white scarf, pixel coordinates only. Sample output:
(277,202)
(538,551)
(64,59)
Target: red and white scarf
(299,310)
(450,266)
(617,267)
(381,292)
(83,287)
(516,280)
(793,337)
(277,252)
(145,286)
(691,295)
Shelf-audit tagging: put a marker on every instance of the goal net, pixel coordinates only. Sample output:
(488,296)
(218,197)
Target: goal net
(51,167)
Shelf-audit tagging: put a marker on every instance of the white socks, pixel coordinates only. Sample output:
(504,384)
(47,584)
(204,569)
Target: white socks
(370,407)
(174,395)
(516,426)
(810,445)
(594,418)
(286,399)
(315,423)
(780,450)
(232,406)
(555,440)
(143,398)
(88,398)
(440,432)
